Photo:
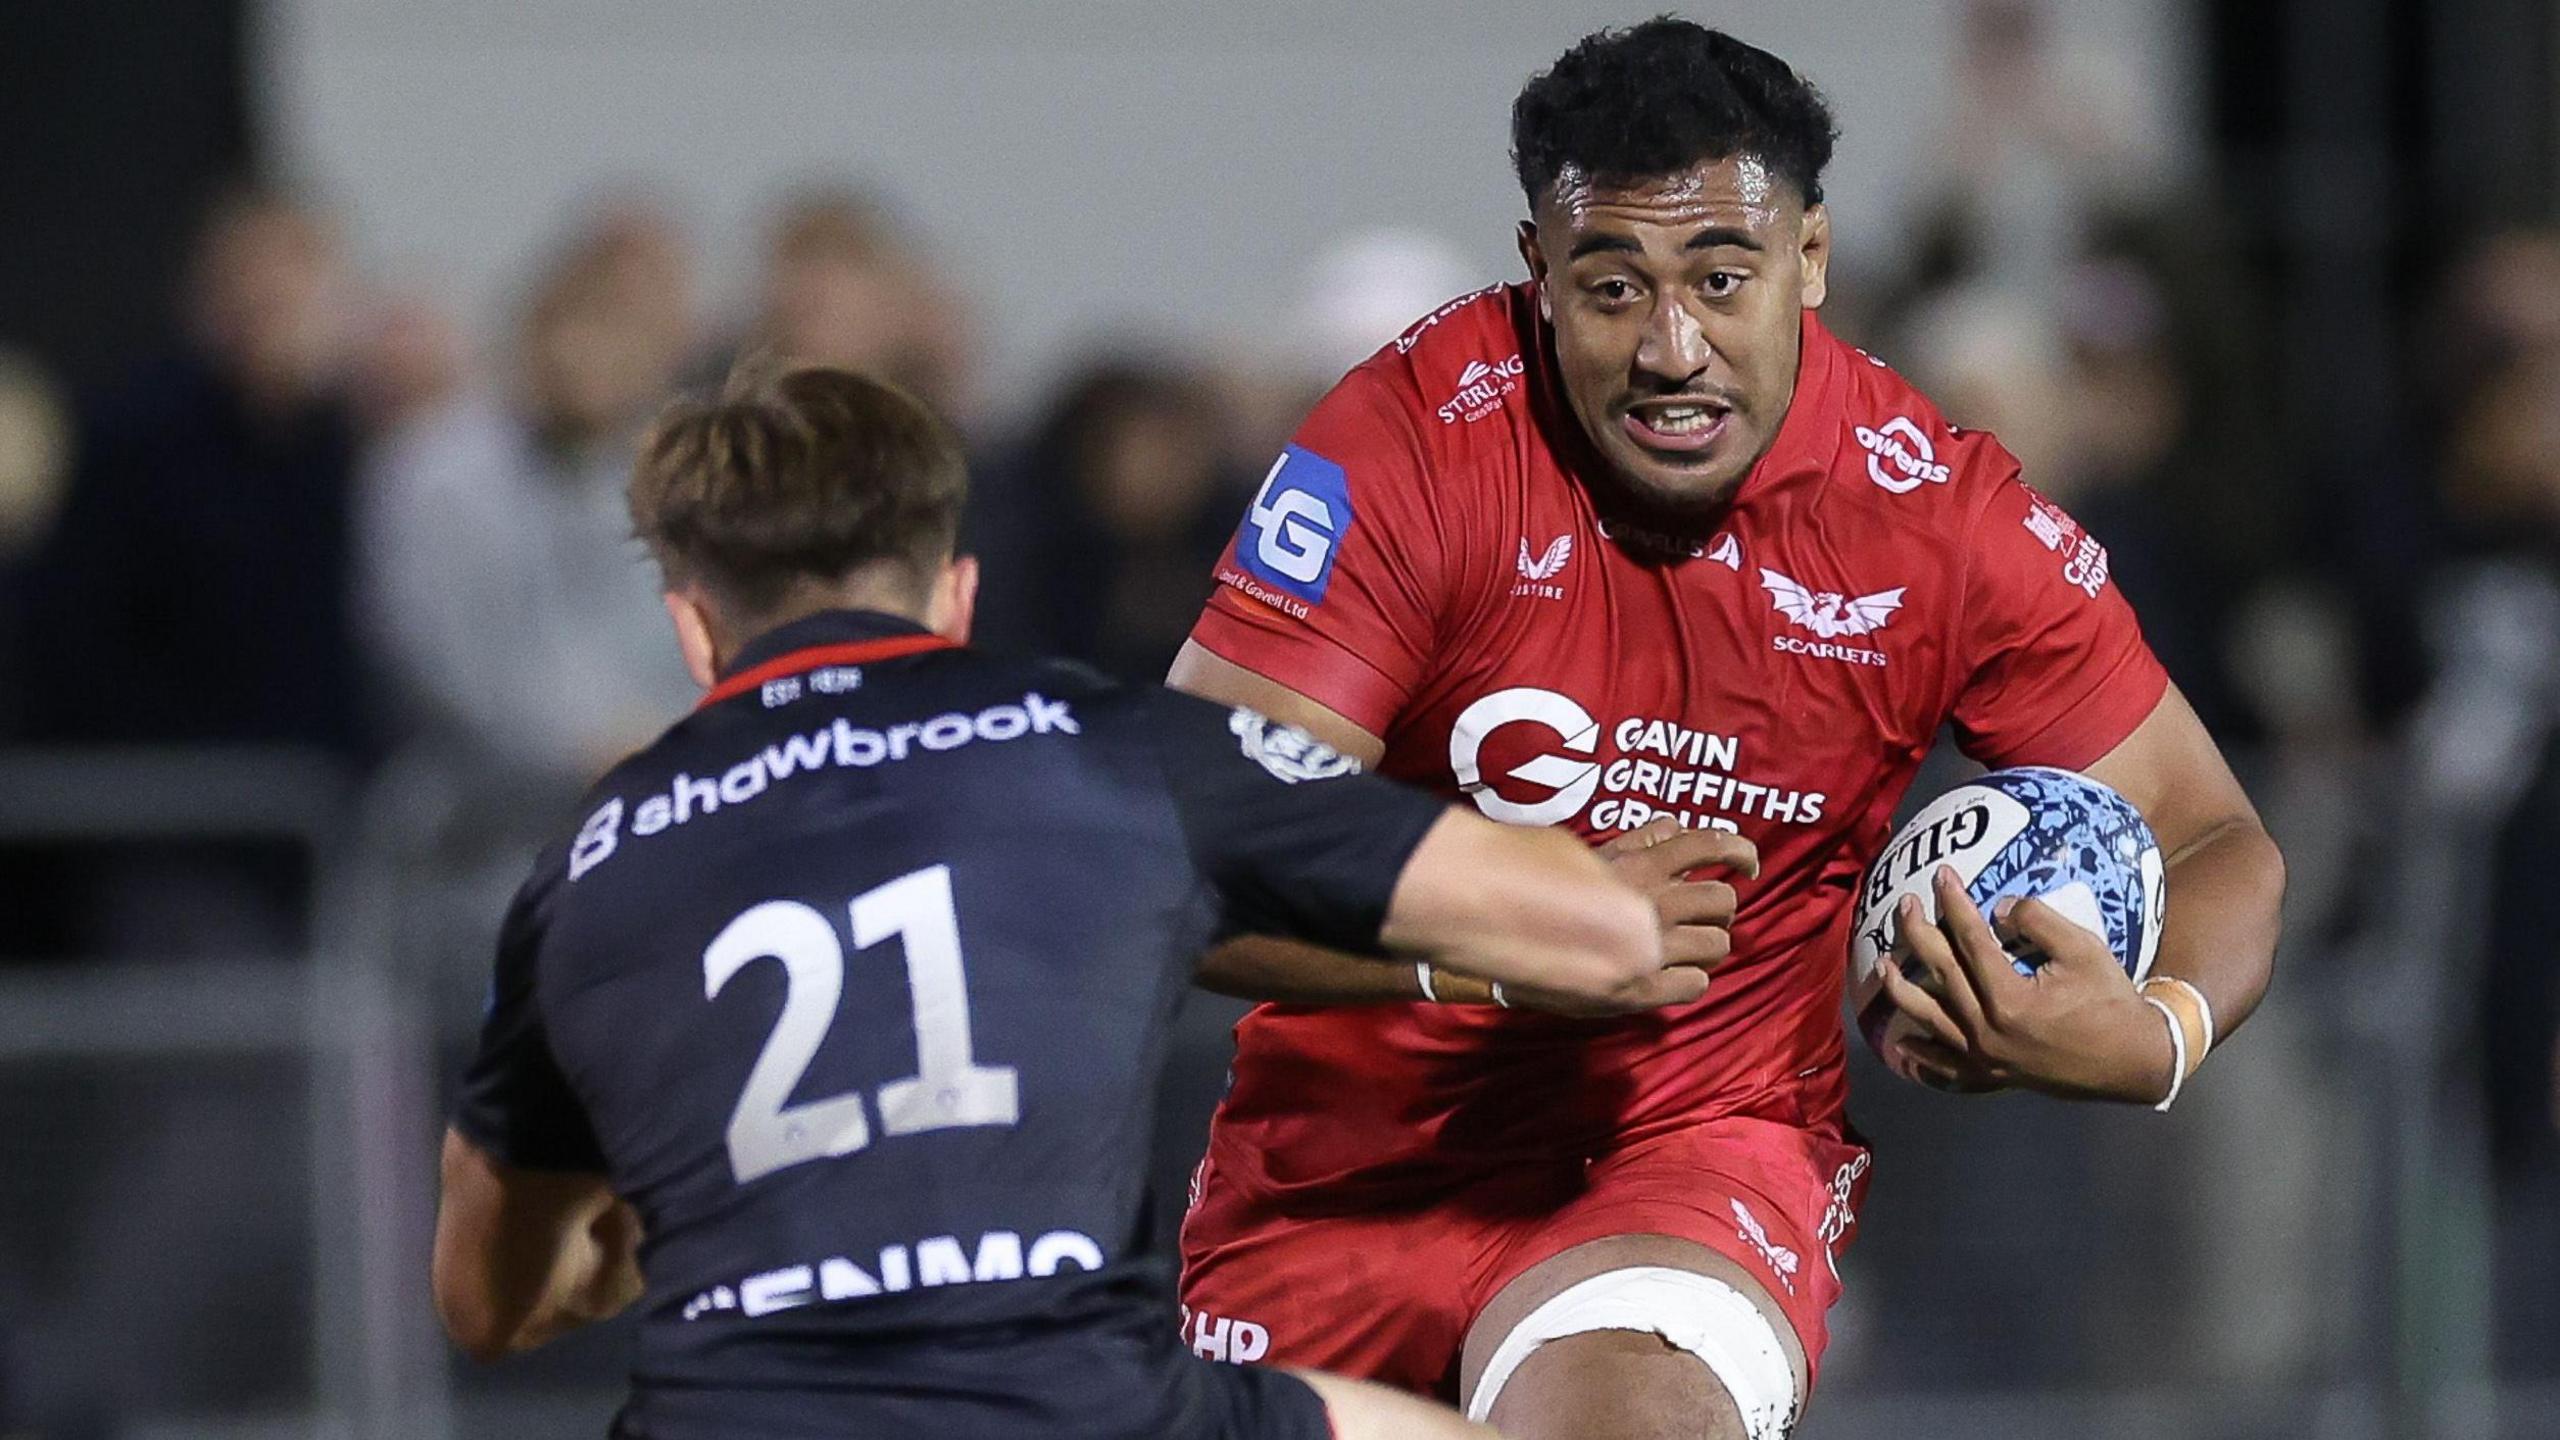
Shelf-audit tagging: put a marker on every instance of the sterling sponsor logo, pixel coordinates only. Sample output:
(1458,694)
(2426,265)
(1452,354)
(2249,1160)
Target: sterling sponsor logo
(1900,457)
(928,1264)
(841,744)
(1482,387)
(1656,768)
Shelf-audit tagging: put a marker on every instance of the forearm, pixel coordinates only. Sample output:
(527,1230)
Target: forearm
(2225,891)
(1293,972)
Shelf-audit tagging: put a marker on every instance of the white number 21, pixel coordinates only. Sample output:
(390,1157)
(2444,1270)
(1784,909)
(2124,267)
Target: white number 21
(949,1088)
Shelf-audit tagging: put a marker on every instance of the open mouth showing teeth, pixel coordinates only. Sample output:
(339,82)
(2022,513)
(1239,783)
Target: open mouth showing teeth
(1682,419)
(1678,427)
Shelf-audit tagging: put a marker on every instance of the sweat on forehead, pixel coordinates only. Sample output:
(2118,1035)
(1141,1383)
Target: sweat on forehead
(1743,180)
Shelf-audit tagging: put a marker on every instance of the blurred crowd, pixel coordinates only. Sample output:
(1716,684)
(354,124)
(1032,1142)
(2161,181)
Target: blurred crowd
(328,521)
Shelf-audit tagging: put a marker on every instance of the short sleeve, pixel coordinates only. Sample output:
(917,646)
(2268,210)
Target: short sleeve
(1332,584)
(516,1104)
(1294,837)
(2055,671)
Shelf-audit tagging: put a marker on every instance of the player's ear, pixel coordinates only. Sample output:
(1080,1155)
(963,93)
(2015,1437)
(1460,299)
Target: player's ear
(953,608)
(694,637)
(1536,260)
(1813,251)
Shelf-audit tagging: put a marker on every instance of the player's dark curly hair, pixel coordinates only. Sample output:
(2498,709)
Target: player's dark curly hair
(1657,98)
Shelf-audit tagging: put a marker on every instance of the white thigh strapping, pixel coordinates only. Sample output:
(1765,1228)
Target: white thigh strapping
(1696,1313)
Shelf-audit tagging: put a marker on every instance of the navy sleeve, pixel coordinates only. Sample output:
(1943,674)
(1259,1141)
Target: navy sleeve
(516,1104)
(1295,839)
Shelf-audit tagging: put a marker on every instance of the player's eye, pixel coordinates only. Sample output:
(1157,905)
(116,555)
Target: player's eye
(1722,283)
(1612,291)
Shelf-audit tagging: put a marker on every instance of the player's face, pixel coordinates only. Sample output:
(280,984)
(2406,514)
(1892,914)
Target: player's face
(1677,304)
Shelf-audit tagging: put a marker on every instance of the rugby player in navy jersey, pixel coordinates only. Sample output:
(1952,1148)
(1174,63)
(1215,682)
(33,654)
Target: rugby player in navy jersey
(839,1019)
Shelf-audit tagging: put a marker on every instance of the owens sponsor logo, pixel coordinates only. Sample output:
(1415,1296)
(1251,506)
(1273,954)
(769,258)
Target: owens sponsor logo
(1900,457)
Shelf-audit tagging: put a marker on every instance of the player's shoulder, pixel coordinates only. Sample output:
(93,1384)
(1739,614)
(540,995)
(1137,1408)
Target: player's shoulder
(1461,363)
(1901,457)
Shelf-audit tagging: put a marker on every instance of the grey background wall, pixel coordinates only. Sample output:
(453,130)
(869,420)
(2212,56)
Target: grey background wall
(1174,166)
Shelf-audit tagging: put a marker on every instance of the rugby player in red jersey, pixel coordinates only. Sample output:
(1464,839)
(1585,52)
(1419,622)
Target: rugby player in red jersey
(1638,548)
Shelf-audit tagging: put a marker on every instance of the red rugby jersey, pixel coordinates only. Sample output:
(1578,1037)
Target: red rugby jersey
(1424,561)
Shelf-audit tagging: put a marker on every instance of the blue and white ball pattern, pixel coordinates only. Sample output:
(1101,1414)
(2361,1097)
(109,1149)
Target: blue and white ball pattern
(2053,835)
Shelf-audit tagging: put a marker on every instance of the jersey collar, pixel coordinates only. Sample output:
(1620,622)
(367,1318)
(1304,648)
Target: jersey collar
(830,637)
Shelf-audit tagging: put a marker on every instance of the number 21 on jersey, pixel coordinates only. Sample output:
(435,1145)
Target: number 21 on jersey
(950,1088)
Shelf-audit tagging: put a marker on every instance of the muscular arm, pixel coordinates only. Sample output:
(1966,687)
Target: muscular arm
(523,1256)
(1267,967)
(1534,910)
(2225,875)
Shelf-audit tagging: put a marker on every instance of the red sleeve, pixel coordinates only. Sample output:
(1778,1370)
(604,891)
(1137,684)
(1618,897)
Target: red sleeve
(2055,668)
(1332,584)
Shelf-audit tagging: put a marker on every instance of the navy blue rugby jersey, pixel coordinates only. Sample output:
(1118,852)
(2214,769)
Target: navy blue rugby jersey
(856,983)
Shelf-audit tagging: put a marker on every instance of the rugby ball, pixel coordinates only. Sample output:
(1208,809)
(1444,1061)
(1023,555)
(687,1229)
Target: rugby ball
(2053,835)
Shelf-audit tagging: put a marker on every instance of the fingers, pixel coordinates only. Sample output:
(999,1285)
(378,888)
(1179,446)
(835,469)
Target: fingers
(1661,850)
(2044,927)
(1643,837)
(1984,959)
(1696,945)
(1696,849)
(1697,902)
(1920,1005)
(1675,985)
(1940,1068)
(1928,945)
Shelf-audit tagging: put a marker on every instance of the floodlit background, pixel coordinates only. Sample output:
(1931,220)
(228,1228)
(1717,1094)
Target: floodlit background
(325,326)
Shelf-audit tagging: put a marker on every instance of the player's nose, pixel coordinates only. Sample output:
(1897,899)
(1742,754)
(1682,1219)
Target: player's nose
(1673,347)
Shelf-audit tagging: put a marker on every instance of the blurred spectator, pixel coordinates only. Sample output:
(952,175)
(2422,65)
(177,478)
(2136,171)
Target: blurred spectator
(2090,395)
(518,617)
(2488,736)
(195,587)
(844,287)
(408,361)
(1360,292)
(2039,147)
(35,457)
(1369,287)
(1099,533)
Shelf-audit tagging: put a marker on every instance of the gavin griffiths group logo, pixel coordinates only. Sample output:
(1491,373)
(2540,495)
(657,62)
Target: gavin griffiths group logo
(1900,457)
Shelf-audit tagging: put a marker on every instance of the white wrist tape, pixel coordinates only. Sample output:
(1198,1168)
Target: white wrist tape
(2178,1052)
(1695,1313)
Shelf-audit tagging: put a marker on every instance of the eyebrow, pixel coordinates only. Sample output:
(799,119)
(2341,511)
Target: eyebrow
(1711,238)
